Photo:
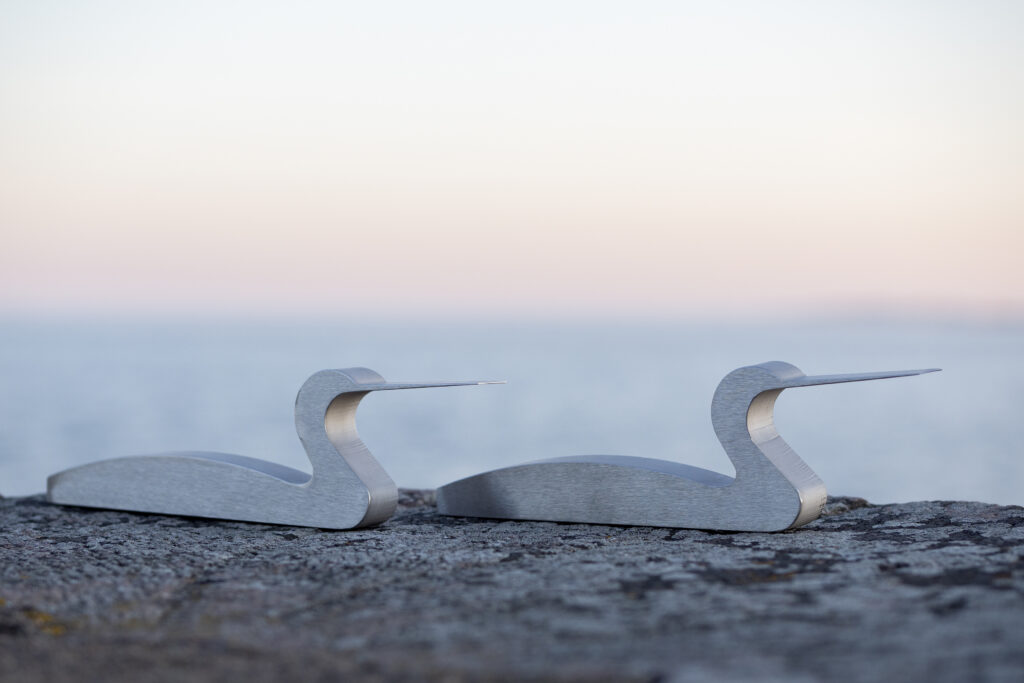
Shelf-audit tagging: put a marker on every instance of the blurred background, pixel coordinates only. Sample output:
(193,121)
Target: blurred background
(611,206)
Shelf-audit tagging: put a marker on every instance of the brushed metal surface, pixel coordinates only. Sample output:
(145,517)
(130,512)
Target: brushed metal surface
(773,488)
(348,488)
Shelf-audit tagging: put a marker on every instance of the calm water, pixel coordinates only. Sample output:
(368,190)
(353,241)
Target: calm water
(77,391)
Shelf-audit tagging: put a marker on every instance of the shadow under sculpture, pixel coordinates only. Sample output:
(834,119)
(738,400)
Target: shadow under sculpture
(773,488)
(348,487)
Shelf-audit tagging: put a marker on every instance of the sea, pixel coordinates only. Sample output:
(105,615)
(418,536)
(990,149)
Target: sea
(76,390)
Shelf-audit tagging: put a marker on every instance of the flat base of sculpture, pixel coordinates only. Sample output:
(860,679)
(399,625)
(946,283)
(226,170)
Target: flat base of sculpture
(913,592)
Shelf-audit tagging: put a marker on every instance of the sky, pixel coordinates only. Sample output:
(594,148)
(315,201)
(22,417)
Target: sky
(662,159)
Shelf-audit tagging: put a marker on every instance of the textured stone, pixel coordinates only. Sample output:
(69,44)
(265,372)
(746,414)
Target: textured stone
(921,591)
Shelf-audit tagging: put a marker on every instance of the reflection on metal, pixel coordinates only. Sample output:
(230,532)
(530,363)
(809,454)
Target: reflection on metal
(348,487)
(773,488)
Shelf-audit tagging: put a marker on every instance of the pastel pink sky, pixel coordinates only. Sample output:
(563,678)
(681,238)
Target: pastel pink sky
(601,158)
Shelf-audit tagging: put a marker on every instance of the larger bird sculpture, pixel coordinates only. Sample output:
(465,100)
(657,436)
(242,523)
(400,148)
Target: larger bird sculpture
(348,488)
(773,488)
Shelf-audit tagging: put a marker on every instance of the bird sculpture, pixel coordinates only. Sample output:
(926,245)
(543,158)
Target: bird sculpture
(347,489)
(773,488)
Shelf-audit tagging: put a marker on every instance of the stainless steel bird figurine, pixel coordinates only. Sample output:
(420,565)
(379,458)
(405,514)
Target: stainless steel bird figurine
(348,487)
(773,488)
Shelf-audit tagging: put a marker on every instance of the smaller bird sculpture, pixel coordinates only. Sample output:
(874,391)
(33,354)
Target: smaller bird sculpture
(348,488)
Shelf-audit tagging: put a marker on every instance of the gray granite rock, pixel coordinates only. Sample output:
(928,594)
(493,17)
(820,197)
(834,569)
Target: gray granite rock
(922,591)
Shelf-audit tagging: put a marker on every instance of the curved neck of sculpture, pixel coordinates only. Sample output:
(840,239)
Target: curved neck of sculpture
(325,419)
(743,411)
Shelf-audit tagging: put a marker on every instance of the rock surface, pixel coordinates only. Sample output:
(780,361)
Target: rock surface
(920,591)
